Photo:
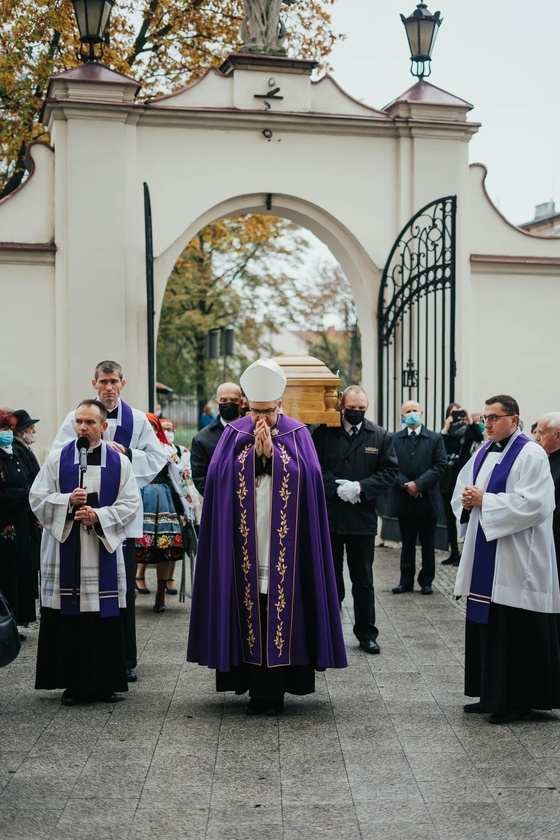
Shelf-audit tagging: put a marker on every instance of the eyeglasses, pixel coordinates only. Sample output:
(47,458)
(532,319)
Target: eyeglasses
(265,411)
(491,418)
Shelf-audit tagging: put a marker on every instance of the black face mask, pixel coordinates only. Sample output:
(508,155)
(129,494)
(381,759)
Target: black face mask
(229,411)
(353,416)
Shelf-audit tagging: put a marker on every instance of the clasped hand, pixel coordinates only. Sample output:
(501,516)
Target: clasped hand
(471,497)
(348,491)
(263,438)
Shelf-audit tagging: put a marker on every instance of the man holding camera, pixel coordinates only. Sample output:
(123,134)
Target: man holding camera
(415,497)
(459,434)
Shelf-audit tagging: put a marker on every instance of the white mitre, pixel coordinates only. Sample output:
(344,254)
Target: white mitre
(263,381)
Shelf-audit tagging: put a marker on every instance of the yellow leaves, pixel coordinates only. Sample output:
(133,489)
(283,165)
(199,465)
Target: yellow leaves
(164,44)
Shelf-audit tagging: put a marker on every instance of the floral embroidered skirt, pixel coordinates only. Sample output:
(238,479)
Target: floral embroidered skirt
(162,538)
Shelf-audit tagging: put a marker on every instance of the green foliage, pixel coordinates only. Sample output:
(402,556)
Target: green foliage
(229,276)
(164,44)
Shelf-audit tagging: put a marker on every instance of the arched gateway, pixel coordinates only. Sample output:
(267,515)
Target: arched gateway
(256,135)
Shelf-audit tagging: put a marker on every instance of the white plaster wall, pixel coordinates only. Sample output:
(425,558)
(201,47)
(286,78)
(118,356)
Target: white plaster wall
(354,179)
(27,327)
(511,342)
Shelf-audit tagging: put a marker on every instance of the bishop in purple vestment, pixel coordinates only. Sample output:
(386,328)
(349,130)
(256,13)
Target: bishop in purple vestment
(265,609)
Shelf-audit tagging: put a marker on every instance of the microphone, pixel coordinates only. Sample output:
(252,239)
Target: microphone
(83,446)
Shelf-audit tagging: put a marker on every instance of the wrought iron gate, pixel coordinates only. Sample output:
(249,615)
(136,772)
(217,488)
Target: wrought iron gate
(416,317)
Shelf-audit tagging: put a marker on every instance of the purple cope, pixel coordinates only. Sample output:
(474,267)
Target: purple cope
(303,613)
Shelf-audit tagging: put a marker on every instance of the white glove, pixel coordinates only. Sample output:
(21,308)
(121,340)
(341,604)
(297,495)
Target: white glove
(348,491)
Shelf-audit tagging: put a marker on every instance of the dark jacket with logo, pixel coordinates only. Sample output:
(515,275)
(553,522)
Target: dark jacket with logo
(422,459)
(369,458)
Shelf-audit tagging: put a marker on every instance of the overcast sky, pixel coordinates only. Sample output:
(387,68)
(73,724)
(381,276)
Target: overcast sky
(502,56)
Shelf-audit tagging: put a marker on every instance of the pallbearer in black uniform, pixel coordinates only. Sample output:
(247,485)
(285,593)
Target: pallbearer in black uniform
(359,464)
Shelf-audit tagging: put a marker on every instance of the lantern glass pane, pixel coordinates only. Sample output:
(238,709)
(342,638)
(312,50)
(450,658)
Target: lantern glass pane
(92,17)
(80,10)
(427,36)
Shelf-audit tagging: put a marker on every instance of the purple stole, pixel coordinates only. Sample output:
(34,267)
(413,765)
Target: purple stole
(69,479)
(283,547)
(478,601)
(123,433)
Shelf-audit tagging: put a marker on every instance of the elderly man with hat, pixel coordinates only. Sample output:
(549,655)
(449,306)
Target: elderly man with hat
(265,607)
(24,436)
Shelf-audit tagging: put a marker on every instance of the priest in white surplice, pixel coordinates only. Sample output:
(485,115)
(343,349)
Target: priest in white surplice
(504,498)
(83,585)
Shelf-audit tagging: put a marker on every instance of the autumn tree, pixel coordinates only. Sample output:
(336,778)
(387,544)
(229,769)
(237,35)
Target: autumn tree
(228,275)
(164,44)
(329,300)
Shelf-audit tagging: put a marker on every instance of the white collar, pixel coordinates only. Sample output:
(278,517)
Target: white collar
(349,426)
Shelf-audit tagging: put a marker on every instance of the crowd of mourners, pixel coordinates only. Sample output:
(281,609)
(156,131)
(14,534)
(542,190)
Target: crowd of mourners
(277,509)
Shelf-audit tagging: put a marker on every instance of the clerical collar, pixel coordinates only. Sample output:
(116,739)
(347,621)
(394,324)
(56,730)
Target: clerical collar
(499,446)
(94,456)
(113,413)
(416,430)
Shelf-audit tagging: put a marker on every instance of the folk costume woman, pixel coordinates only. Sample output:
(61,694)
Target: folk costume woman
(162,540)
(192,500)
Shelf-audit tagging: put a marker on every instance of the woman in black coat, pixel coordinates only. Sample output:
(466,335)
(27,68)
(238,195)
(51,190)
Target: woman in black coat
(16,524)
(460,434)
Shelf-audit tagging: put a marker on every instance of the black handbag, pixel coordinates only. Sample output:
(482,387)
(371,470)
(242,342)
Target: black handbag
(10,642)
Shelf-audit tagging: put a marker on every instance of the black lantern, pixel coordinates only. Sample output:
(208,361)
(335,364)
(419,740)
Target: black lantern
(421,30)
(93,19)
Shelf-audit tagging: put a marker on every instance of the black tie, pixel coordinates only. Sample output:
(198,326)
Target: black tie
(354,431)
(113,415)
(413,434)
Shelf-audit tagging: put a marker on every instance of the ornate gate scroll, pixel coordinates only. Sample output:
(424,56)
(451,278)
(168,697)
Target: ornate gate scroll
(416,317)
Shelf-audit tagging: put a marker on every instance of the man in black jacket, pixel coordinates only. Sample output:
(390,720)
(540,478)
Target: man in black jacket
(415,498)
(359,464)
(229,400)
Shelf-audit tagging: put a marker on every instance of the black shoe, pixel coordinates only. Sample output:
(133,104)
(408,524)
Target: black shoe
(510,715)
(426,590)
(273,707)
(254,707)
(71,698)
(142,590)
(398,590)
(169,591)
(107,697)
(159,607)
(370,646)
(452,560)
(474,708)
(131,675)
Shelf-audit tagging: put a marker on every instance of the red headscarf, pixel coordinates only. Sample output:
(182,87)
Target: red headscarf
(155,421)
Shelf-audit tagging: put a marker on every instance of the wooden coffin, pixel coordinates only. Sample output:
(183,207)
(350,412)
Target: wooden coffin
(312,391)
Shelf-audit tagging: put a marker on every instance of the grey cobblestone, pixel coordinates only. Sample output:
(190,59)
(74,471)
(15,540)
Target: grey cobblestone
(382,749)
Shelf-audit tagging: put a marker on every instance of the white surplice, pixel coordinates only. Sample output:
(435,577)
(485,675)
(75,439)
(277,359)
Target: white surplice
(520,519)
(51,508)
(148,458)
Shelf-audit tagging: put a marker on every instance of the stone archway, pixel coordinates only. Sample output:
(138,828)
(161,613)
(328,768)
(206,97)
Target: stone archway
(72,262)
(362,273)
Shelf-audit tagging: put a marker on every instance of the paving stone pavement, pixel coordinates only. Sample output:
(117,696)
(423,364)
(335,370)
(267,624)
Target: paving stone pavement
(381,750)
